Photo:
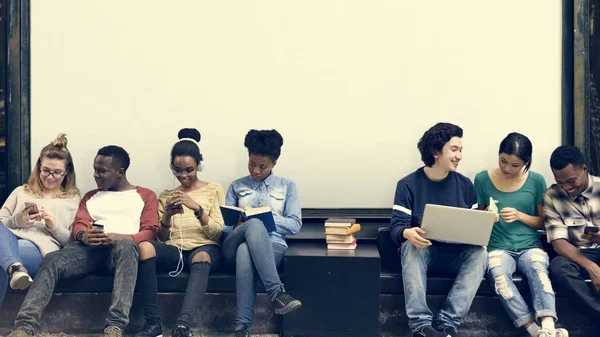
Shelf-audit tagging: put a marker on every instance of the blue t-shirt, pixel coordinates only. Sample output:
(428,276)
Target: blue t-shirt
(416,190)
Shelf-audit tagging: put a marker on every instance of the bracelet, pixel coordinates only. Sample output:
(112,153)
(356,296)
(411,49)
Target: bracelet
(163,224)
(79,236)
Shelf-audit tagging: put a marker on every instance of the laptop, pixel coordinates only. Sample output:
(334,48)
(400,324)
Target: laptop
(457,225)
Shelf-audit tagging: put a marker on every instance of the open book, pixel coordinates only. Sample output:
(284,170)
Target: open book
(232,216)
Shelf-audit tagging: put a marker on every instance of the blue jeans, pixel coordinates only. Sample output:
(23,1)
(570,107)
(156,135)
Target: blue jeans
(467,262)
(249,248)
(533,264)
(14,250)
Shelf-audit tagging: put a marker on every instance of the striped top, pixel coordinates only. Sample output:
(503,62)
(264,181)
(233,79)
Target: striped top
(187,232)
(416,190)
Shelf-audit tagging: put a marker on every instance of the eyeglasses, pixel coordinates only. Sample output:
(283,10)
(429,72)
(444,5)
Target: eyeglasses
(54,174)
(187,171)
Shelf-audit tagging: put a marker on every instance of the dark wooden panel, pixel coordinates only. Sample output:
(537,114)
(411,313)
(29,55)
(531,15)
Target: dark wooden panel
(17,93)
(594,88)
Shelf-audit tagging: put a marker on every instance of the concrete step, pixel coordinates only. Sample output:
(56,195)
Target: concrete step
(164,335)
(81,313)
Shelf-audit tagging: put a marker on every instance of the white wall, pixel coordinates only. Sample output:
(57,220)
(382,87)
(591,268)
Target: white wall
(350,84)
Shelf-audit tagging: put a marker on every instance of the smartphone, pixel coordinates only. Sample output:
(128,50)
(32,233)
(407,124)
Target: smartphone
(590,229)
(178,207)
(33,209)
(97,225)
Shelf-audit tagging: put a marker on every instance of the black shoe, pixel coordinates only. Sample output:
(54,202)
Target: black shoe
(428,331)
(151,328)
(244,332)
(284,303)
(181,331)
(451,332)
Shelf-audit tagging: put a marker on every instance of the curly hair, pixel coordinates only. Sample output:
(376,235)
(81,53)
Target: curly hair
(186,147)
(435,138)
(264,142)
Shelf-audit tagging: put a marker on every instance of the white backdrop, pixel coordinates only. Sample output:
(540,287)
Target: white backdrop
(350,84)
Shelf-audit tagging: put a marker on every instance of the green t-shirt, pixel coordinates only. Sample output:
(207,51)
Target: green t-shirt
(514,236)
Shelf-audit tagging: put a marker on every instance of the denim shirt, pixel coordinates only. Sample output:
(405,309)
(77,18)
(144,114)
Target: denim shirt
(278,193)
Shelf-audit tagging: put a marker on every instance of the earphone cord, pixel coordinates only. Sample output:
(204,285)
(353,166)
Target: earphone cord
(180,264)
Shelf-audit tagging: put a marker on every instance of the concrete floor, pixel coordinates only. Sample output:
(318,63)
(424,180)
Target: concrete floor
(165,335)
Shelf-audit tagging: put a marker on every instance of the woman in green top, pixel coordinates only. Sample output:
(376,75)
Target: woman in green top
(516,194)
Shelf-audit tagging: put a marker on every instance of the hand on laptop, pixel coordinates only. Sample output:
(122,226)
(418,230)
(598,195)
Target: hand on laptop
(413,235)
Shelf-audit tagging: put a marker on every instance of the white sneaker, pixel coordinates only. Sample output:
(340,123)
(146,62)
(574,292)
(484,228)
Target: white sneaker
(19,278)
(557,333)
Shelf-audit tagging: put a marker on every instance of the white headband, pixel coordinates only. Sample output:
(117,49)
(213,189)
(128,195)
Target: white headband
(190,140)
(201,166)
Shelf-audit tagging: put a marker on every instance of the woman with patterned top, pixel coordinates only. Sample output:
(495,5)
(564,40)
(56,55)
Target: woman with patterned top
(190,229)
(37,217)
(256,253)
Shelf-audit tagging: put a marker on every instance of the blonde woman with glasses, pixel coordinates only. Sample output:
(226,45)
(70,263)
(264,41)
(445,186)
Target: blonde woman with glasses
(36,218)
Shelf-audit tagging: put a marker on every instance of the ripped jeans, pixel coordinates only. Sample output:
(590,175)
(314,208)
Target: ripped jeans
(533,264)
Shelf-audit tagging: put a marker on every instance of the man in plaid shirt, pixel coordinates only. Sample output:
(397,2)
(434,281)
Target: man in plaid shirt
(571,209)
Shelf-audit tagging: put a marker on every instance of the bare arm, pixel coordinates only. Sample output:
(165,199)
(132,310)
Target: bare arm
(536,221)
(566,249)
(163,232)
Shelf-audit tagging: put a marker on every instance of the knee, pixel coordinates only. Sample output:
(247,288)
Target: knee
(502,286)
(51,262)
(201,257)
(146,249)
(560,266)
(52,258)
(126,247)
(242,257)
(255,226)
(537,258)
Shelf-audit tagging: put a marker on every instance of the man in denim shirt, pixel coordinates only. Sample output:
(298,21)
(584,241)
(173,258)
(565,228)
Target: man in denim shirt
(245,246)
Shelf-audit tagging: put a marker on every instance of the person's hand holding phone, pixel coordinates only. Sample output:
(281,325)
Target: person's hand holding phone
(171,208)
(591,234)
(94,236)
(28,216)
(181,198)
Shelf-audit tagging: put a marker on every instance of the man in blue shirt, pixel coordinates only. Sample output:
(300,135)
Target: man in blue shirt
(436,183)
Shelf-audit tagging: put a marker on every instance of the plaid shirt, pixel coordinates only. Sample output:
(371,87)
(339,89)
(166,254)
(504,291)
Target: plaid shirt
(565,217)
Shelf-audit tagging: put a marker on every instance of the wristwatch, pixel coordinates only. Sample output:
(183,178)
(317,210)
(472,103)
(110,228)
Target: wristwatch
(198,213)
(79,236)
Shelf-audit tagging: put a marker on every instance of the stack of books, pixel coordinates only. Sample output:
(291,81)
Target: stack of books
(339,233)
